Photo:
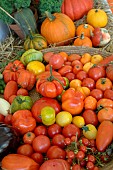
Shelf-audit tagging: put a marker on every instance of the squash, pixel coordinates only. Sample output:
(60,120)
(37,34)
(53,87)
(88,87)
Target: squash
(9,139)
(84,28)
(58,28)
(26,20)
(76,9)
(97,18)
(82,41)
(35,41)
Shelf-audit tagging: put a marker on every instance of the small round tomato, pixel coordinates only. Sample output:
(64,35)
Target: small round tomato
(80,155)
(28,137)
(90,165)
(90,117)
(81,75)
(90,103)
(55,152)
(40,130)
(83,148)
(58,140)
(88,82)
(70,154)
(65,69)
(70,76)
(85,141)
(96,58)
(89,131)
(78,121)
(67,141)
(77,67)
(56,61)
(76,167)
(86,57)
(25,149)
(41,144)
(75,83)
(97,94)
(91,158)
(37,157)
(53,130)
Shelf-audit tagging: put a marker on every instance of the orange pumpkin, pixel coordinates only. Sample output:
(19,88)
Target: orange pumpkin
(58,28)
(82,41)
(84,28)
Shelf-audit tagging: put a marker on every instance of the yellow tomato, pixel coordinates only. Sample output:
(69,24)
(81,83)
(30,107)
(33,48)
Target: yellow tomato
(86,57)
(89,131)
(84,90)
(95,59)
(63,118)
(87,66)
(36,67)
(78,121)
(75,83)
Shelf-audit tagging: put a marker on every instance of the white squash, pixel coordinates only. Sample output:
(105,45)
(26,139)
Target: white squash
(4,107)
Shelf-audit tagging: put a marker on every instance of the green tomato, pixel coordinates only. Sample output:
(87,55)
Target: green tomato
(67,82)
(48,115)
(21,103)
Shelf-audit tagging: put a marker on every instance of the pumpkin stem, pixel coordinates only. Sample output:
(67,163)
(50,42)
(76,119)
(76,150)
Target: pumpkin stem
(51,78)
(50,16)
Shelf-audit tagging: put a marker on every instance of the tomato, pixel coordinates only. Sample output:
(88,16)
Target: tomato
(85,141)
(103,84)
(23,92)
(76,167)
(55,152)
(55,164)
(81,75)
(87,66)
(91,158)
(63,118)
(80,155)
(75,83)
(8,119)
(47,56)
(28,137)
(86,57)
(104,103)
(71,130)
(48,115)
(25,149)
(96,58)
(89,131)
(36,67)
(53,130)
(2,118)
(70,154)
(83,148)
(90,117)
(108,94)
(65,69)
(23,121)
(73,57)
(77,67)
(67,141)
(42,102)
(56,61)
(70,76)
(78,121)
(88,82)
(40,130)
(58,140)
(109,72)
(11,98)
(38,157)
(97,94)
(105,114)
(90,165)
(41,144)
(64,55)
(84,90)
(96,72)
(90,103)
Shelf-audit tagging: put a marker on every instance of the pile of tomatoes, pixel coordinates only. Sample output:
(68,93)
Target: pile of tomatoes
(72,120)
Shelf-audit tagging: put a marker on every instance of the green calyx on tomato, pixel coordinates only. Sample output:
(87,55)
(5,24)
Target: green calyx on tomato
(21,103)
(48,115)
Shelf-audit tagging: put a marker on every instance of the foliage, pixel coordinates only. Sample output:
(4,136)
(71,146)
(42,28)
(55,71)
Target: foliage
(11,6)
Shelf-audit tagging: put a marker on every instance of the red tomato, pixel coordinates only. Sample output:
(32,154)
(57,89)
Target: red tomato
(67,141)
(56,61)
(90,165)
(91,158)
(70,154)
(11,98)
(108,94)
(80,155)
(25,149)
(76,167)
(2,118)
(83,148)
(40,130)
(90,117)
(42,102)
(109,72)
(85,141)
(96,72)
(70,76)
(88,82)
(65,69)
(58,140)
(41,144)
(37,157)
(97,94)
(8,119)
(81,75)
(23,121)
(73,57)
(103,84)
(47,56)
(53,130)
(55,152)
(28,137)
(23,92)
(77,66)
(71,130)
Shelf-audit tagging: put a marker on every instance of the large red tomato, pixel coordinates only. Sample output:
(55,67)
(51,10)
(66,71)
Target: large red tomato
(55,152)
(58,140)
(53,130)
(42,102)
(88,82)
(71,130)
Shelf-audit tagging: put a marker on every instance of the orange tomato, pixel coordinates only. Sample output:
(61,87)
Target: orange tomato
(73,57)
(105,114)
(28,137)
(103,84)
(25,149)
(90,103)
(75,83)
(84,90)
(64,55)
(86,57)
(104,102)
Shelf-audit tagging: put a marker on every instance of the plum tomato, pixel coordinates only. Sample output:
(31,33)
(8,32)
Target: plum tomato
(38,157)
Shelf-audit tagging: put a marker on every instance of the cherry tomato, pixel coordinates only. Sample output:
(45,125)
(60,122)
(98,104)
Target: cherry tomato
(91,158)
(40,130)
(97,94)
(76,167)
(90,165)
(28,137)
(25,149)
(41,144)
(92,142)
(70,154)
(70,76)
(83,148)
(88,82)
(58,140)
(85,141)
(81,75)
(55,152)
(37,157)
(53,130)
(67,141)
(80,155)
